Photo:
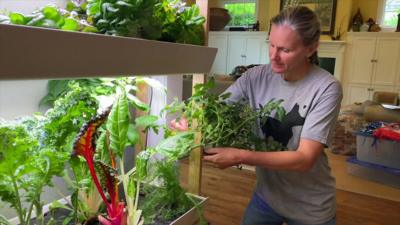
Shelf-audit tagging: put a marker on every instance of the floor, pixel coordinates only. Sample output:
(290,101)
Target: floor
(229,192)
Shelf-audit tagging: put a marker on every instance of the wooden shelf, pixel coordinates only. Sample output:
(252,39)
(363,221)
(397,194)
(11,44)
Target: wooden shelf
(40,53)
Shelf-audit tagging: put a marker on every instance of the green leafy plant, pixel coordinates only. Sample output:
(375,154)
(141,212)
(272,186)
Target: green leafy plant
(50,17)
(166,20)
(166,200)
(26,168)
(223,123)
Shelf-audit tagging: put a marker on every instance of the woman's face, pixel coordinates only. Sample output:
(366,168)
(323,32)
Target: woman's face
(287,53)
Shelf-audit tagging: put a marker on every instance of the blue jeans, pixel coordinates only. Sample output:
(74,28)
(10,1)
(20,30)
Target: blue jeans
(258,212)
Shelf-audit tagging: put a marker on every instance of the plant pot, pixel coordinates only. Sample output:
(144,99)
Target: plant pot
(191,217)
(219,18)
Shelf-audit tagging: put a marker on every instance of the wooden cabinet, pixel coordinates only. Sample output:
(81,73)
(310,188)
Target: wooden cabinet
(373,65)
(236,49)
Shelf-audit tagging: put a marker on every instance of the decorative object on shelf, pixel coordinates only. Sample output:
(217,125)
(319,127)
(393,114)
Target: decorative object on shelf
(256,26)
(219,18)
(364,27)
(373,26)
(325,10)
(357,21)
(398,23)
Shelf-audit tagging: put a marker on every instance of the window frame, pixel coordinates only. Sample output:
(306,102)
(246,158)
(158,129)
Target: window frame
(243,1)
(380,16)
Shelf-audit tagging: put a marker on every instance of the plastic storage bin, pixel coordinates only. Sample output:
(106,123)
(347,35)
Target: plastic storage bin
(374,172)
(381,152)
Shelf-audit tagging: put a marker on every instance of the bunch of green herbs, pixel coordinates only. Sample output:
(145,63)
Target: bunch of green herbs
(223,123)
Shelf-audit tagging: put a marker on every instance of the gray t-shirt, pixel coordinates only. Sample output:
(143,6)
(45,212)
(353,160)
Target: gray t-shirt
(312,106)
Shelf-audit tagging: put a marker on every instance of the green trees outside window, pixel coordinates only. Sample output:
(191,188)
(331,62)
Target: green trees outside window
(242,14)
(392,9)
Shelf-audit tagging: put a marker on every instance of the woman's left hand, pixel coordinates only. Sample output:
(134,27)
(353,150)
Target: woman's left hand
(223,157)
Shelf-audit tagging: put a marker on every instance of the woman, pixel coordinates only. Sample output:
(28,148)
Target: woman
(293,186)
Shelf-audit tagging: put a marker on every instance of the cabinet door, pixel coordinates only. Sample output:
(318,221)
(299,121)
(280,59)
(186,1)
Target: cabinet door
(219,41)
(236,52)
(385,88)
(358,93)
(254,46)
(362,54)
(386,58)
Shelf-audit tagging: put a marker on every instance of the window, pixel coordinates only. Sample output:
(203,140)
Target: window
(388,11)
(242,12)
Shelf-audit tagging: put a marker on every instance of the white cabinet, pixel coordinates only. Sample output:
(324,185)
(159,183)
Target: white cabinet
(360,93)
(220,41)
(236,49)
(373,61)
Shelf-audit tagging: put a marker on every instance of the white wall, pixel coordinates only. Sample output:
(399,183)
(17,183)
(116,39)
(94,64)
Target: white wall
(21,98)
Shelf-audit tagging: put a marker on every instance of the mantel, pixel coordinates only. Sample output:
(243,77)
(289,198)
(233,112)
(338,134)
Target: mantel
(331,46)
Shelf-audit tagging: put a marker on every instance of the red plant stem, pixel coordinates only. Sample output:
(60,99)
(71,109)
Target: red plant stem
(114,200)
(88,155)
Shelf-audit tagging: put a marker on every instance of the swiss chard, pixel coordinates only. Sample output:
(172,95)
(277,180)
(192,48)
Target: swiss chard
(85,147)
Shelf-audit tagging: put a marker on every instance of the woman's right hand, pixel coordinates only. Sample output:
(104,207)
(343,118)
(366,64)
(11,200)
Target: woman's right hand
(179,125)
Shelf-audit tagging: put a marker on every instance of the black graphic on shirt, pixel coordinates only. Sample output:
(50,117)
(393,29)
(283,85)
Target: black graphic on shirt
(281,131)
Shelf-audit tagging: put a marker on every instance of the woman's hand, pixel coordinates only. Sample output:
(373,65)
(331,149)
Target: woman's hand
(180,125)
(224,157)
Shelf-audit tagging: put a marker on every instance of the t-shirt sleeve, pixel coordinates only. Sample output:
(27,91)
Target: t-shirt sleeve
(239,89)
(321,120)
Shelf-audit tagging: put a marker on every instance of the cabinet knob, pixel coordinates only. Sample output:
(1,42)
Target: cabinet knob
(243,56)
(374,60)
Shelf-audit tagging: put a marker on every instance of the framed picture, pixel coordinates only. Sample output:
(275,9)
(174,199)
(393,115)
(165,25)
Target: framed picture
(325,10)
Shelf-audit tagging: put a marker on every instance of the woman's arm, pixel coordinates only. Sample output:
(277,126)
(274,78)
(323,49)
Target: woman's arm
(300,160)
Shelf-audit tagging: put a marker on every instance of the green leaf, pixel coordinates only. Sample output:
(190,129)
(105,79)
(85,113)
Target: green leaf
(67,220)
(17,18)
(137,103)
(177,146)
(58,205)
(131,187)
(70,24)
(142,160)
(52,13)
(4,221)
(93,7)
(117,124)
(146,121)
(133,135)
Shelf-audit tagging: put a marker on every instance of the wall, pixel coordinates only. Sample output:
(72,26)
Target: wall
(345,10)
(368,8)
(21,98)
